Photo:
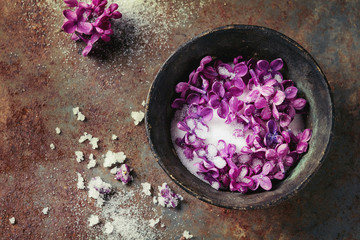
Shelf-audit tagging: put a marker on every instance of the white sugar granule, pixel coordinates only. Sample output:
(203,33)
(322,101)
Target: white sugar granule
(187,235)
(79,156)
(93,220)
(94,143)
(92,161)
(137,116)
(52,146)
(80,182)
(127,217)
(114,157)
(57,130)
(114,137)
(45,210)
(80,116)
(143,103)
(108,228)
(75,110)
(92,140)
(12,220)
(146,188)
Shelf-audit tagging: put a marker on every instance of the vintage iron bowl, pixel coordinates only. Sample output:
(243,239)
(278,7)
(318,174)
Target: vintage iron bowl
(225,43)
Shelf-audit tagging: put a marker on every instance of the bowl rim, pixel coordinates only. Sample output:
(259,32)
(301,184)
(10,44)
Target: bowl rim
(280,198)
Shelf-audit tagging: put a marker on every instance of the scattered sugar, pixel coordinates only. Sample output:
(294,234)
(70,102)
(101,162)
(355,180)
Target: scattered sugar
(75,110)
(92,162)
(52,146)
(12,220)
(114,137)
(225,72)
(108,228)
(187,235)
(92,140)
(143,103)
(57,130)
(137,116)
(154,222)
(146,188)
(80,182)
(45,210)
(93,220)
(94,143)
(112,157)
(79,156)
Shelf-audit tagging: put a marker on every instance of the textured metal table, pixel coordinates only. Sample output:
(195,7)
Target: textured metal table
(43,76)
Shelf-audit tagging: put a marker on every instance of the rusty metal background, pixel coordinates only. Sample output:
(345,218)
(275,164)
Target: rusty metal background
(43,76)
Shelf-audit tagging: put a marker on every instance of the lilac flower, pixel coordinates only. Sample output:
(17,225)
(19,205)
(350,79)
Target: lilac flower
(270,102)
(240,180)
(270,71)
(235,109)
(193,78)
(200,113)
(303,137)
(90,22)
(227,152)
(76,21)
(209,173)
(263,179)
(188,150)
(272,137)
(257,90)
(218,100)
(123,174)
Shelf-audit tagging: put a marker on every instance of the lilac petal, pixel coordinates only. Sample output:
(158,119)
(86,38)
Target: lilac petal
(218,88)
(246,149)
(279,97)
(290,110)
(240,69)
(286,136)
(234,173)
(193,98)
(71,3)
(266,113)
(260,102)
(210,73)
(277,64)
(268,167)
(265,183)
(239,83)
(182,126)
(306,135)
(206,114)
(282,149)
(275,112)
(223,110)
(234,91)
(246,182)
(302,147)
(279,175)
(181,87)
(178,103)
(70,15)
(75,37)
(299,103)
(262,65)
(214,102)
(231,148)
(270,154)
(189,153)
(288,161)
(285,120)
(253,95)
(271,125)
(266,90)
(116,15)
(87,49)
(69,27)
(84,27)
(291,92)
(113,7)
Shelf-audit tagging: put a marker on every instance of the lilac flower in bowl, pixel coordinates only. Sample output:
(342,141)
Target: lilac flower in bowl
(214,71)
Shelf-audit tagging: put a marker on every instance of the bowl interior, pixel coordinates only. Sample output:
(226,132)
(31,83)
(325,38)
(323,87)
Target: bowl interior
(225,44)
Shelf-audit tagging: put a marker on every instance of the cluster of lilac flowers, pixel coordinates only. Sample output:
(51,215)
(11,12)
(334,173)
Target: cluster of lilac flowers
(123,174)
(250,93)
(90,21)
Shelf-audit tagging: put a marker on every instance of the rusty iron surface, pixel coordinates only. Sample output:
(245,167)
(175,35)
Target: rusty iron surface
(43,76)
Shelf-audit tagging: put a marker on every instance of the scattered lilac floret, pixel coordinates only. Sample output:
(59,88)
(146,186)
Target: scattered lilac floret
(254,97)
(166,197)
(123,174)
(98,189)
(89,22)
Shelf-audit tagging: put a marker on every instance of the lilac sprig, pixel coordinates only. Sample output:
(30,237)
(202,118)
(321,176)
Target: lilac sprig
(89,22)
(255,95)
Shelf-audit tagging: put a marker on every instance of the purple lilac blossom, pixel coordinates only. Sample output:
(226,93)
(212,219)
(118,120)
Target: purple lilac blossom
(89,22)
(255,95)
(123,174)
